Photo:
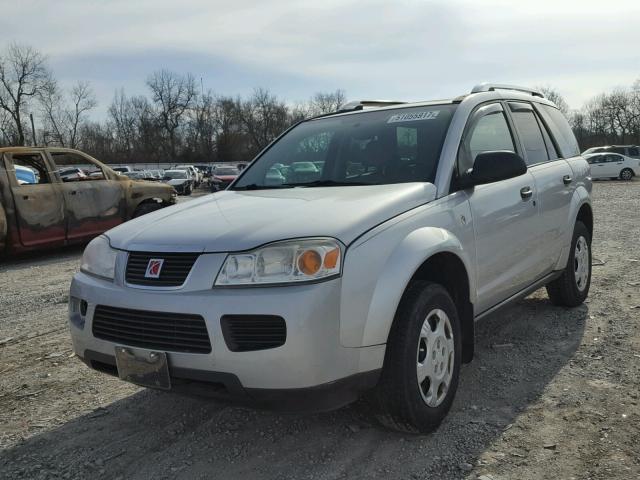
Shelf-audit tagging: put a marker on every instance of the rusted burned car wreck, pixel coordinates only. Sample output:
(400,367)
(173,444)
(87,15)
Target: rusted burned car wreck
(57,196)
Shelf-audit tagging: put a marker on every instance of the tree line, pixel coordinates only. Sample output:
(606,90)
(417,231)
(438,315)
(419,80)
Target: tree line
(178,121)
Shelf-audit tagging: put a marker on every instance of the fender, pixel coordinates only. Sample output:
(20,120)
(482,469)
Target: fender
(580,197)
(377,306)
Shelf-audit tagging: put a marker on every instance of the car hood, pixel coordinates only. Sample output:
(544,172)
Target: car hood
(240,220)
(225,178)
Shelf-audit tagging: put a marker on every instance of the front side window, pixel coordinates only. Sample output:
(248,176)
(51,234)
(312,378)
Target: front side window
(633,152)
(490,133)
(72,167)
(530,133)
(370,148)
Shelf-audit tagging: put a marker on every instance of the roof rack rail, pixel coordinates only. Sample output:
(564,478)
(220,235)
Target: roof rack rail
(361,104)
(491,87)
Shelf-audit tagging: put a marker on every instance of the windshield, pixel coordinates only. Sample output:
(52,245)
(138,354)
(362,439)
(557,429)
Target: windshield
(372,148)
(175,175)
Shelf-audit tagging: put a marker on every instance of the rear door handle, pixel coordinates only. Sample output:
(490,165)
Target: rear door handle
(73,192)
(526,192)
(567,179)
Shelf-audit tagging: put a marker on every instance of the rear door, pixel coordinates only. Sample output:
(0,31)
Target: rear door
(94,203)
(505,213)
(39,204)
(613,165)
(554,182)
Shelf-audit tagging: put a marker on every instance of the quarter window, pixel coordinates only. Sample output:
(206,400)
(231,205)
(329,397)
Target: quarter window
(561,131)
(30,169)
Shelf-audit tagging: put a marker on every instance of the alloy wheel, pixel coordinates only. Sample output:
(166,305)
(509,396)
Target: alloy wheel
(435,358)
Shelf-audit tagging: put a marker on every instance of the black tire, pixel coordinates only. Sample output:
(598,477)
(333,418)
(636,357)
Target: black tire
(397,399)
(626,174)
(565,290)
(145,208)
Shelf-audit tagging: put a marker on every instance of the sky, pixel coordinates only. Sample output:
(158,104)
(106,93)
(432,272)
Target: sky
(399,50)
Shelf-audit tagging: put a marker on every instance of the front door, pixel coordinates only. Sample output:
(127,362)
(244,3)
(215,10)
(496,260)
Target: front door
(505,213)
(39,204)
(94,203)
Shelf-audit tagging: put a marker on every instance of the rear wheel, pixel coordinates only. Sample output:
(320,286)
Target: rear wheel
(626,174)
(572,287)
(422,362)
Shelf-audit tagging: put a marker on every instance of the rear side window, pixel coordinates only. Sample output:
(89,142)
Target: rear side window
(633,152)
(561,131)
(530,133)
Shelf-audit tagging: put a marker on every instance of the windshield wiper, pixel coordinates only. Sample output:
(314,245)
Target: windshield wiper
(255,186)
(326,183)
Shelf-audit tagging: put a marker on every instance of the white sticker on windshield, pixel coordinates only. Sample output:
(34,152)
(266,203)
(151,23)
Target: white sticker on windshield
(413,116)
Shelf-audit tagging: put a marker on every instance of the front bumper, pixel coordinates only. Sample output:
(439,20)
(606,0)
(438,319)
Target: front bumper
(311,358)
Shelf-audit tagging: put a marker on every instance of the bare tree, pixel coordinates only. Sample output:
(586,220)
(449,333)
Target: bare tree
(173,95)
(555,96)
(82,100)
(23,73)
(264,117)
(327,102)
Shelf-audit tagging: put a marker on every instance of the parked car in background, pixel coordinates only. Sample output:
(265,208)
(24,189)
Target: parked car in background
(180,180)
(122,169)
(194,175)
(613,165)
(222,177)
(26,175)
(157,174)
(311,293)
(72,174)
(60,203)
(632,151)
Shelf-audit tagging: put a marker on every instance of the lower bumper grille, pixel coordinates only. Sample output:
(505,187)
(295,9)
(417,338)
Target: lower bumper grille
(245,333)
(177,332)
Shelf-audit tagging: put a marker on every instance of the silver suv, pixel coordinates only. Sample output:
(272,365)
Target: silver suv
(352,257)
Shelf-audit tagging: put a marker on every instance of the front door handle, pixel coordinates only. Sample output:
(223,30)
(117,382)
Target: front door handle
(73,192)
(567,179)
(526,192)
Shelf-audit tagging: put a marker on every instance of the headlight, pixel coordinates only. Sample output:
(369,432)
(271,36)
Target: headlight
(290,261)
(99,258)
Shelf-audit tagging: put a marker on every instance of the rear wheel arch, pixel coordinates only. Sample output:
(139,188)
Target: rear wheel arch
(585,215)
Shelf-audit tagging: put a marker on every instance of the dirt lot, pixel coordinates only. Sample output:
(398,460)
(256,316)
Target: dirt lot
(552,393)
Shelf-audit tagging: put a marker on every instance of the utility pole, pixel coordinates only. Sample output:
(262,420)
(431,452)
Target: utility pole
(33,131)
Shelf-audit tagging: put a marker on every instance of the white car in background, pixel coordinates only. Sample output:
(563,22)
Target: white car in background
(195,175)
(613,165)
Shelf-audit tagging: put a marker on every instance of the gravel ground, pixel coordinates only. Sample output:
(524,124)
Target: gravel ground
(552,393)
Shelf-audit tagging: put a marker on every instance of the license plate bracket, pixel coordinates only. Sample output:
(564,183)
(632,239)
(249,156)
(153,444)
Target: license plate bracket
(144,368)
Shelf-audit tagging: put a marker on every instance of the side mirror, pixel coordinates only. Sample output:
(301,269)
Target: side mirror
(492,167)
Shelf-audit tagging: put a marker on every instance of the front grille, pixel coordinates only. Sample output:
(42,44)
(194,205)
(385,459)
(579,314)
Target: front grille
(244,333)
(177,332)
(173,273)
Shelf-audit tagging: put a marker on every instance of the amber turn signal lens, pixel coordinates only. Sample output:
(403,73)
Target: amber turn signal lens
(309,262)
(331,258)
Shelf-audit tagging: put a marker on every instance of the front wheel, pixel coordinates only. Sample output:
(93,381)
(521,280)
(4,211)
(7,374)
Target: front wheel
(626,174)
(145,208)
(572,287)
(422,362)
